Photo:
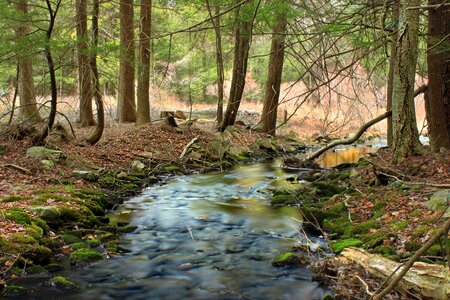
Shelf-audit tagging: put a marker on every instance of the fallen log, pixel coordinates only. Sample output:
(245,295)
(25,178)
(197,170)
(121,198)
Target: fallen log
(430,281)
(349,140)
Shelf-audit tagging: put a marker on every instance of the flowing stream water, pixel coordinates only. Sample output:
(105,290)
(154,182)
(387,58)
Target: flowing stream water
(205,236)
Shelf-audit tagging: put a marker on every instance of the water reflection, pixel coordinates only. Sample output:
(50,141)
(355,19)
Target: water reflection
(209,236)
(334,158)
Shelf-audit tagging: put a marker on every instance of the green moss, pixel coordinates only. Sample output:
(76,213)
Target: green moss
(327,297)
(284,259)
(94,243)
(22,239)
(36,253)
(327,189)
(17,215)
(61,281)
(85,255)
(171,168)
(14,291)
(340,245)
(379,205)
(113,247)
(412,246)
(284,199)
(35,269)
(14,198)
(337,226)
(385,250)
(42,224)
(363,227)
(379,214)
(372,240)
(70,238)
(80,245)
(127,228)
(54,267)
(421,231)
(109,238)
(400,225)
(35,231)
(416,213)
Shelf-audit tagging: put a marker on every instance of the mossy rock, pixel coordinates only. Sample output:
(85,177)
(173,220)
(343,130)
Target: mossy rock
(371,240)
(17,215)
(284,199)
(386,251)
(94,243)
(127,228)
(14,291)
(80,245)
(23,239)
(70,238)
(49,214)
(35,231)
(62,282)
(113,247)
(286,259)
(36,269)
(341,244)
(363,228)
(109,238)
(338,226)
(54,267)
(399,226)
(36,253)
(85,255)
(327,189)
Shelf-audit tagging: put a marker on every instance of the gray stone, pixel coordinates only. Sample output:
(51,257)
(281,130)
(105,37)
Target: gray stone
(439,202)
(47,213)
(45,153)
(86,175)
(137,165)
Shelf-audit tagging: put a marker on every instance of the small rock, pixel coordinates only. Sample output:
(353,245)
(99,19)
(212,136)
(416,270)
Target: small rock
(47,163)
(45,153)
(137,165)
(122,175)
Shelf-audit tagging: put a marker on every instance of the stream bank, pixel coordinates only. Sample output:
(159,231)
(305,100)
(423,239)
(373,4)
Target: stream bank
(53,221)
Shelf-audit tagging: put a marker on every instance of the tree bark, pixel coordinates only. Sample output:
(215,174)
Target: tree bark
(241,49)
(39,139)
(275,70)
(392,60)
(438,60)
(84,71)
(127,106)
(219,59)
(143,97)
(97,135)
(405,134)
(28,106)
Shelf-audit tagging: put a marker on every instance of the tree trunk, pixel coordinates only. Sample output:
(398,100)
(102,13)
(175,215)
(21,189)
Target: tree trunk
(96,136)
(127,106)
(241,49)
(219,59)
(438,60)
(84,71)
(392,60)
(405,134)
(143,97)
(28,107)
(39,139)
(275,70)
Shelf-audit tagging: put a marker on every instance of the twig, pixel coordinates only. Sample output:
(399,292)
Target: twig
(190,231)
(365,284)
(185,150)
(22,169)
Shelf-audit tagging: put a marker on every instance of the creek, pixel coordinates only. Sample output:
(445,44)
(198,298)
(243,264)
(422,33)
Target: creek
(203,236)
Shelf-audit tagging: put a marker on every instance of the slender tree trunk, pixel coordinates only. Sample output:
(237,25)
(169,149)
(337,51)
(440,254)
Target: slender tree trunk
(84,71)
(51,70)
(241,49)
(127,106)
(438,60)
(96,136)
(392,60)
(275,70)
(28,107)
(406,136)
(143,97)
(219,59)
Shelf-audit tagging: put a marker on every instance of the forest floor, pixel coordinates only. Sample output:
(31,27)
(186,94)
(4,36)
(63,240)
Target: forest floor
(387,209)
